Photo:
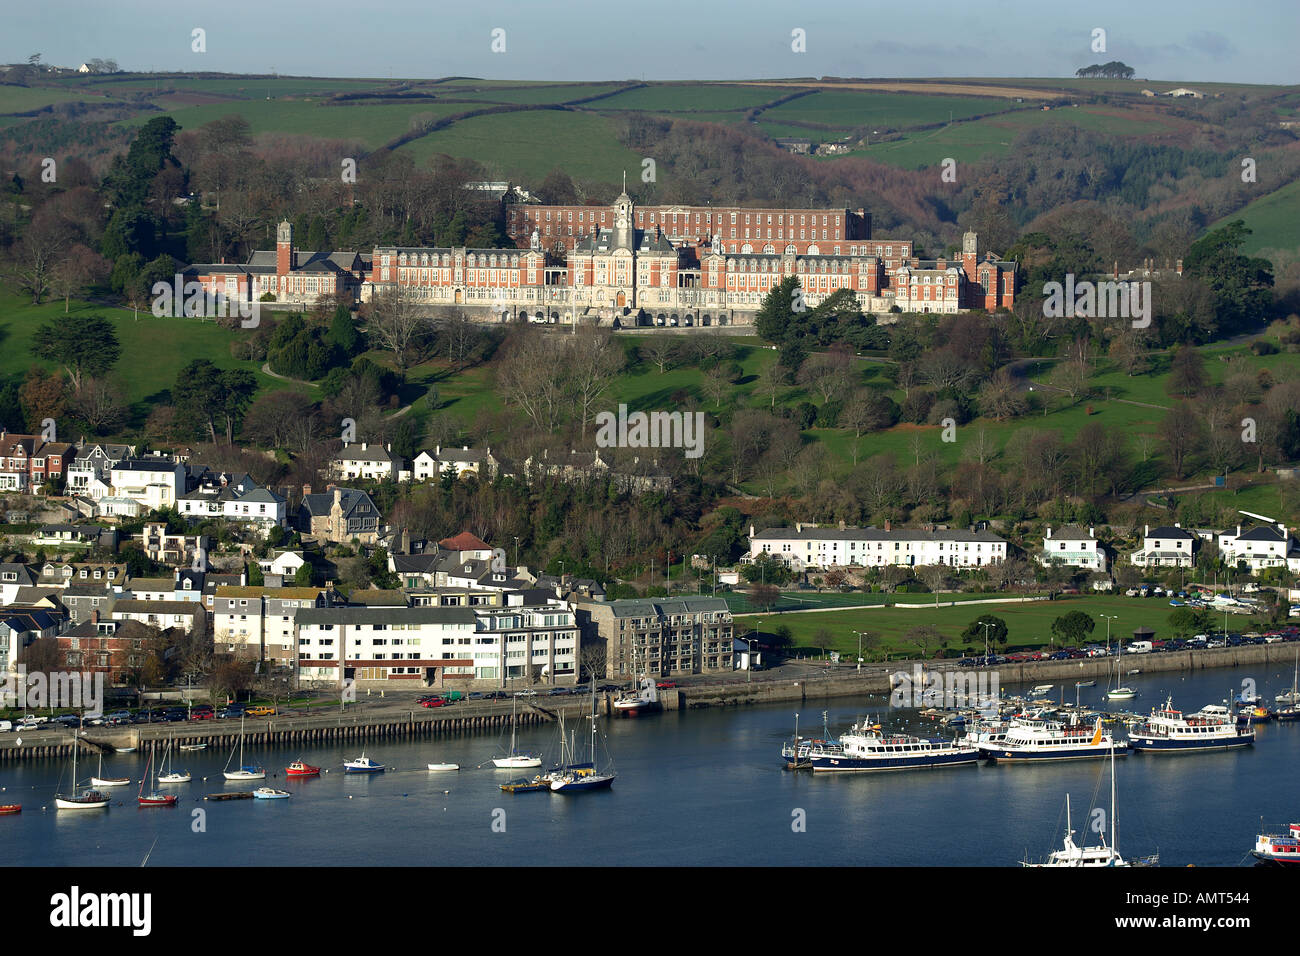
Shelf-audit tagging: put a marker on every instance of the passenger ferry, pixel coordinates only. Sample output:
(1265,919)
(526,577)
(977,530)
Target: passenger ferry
(1168,731)
(866,748)
(1037,738)
(1277,848)
(987,732)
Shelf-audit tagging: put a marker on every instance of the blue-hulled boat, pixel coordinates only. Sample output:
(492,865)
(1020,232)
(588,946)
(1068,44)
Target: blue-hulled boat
(363,764)
(1168,731)
(1038,738)
(866,748)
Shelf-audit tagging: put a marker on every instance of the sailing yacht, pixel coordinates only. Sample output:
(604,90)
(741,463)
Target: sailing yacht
(167,774)
(88,799)
(1120,692)
(1289,703)
(245,771)
(102,781)
(155,798)
(515,760)
(1074,855)
(591,777)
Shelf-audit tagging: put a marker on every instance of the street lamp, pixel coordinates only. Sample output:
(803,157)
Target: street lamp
(859,633)
(1109,618)
(986,625)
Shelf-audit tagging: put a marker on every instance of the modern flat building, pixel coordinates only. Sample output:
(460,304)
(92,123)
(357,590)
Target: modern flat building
(661,637)
(439,646)
(808,547)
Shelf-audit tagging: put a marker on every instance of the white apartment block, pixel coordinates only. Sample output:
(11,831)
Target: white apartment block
(808,547)
(259,623)
(1073,547)
(434,645)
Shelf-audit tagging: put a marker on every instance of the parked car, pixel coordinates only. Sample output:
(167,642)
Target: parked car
(476,695)
(525,693)
(666,684)
(556,691)
(6,726)
(261,710)
(434,702)
(202,712)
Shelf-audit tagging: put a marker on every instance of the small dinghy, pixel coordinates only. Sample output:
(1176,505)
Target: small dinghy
(11,808)
(125,750)
(192,747)
(444,766)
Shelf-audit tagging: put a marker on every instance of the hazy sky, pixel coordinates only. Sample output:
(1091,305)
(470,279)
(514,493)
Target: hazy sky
(1206,40)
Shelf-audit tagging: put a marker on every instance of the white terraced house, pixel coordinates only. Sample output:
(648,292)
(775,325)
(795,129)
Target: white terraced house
(433,644)
(808,547)
(1166,547)
(371,462)
(1073,547)
(154,482)
(1263,547)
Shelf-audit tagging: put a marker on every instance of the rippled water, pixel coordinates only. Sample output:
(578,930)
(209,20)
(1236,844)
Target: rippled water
(700,787)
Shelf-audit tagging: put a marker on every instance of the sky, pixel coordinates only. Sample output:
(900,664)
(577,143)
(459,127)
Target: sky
(1189,40)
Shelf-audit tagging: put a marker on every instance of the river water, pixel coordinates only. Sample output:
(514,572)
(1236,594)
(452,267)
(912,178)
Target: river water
(701,787)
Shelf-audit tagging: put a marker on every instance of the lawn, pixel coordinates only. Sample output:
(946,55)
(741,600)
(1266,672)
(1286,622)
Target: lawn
(1028,625)
(154,350)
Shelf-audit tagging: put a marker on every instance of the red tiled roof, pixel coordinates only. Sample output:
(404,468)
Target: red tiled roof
(464,542)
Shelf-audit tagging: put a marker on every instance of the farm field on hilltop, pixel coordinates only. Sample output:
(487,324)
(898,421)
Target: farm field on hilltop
(527,146)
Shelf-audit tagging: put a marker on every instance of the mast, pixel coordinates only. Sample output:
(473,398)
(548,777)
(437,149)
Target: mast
(1114,844)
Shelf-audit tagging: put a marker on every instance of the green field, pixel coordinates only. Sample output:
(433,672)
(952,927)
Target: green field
(849,109)
(372,123)
(529,145)
(1274,221)
(994,135)
(541,94)
(19,99)
(678,97)
(1028,624)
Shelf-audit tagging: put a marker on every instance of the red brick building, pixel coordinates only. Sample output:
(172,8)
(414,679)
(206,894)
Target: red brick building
(26,461)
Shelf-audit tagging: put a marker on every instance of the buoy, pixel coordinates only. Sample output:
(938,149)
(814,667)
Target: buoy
(349,796)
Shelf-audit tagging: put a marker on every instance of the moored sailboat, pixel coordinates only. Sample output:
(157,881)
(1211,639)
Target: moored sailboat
(245,771)
(515,760)
(579,778)
(102,781)
(153,799)
(169,775)
(88,799)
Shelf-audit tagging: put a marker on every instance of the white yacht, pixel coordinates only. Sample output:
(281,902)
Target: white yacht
(1035,737)
(1168,731)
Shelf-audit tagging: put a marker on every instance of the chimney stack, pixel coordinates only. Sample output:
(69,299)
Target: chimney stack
(888,525)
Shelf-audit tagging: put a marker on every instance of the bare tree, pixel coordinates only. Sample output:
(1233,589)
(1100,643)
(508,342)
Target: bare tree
(594,362)
(395,319)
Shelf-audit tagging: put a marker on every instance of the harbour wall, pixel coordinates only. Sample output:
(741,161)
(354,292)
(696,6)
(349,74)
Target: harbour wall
(396,721)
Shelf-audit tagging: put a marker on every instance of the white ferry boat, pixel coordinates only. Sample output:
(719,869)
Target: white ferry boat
(1037,738)
(867,748)
(1168,731)
(1281,849)
(987,732)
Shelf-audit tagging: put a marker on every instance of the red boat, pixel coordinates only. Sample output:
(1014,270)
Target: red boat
(157,800)
(300,769)
(11,808)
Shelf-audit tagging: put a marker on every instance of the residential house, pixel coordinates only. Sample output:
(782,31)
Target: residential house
(339,515)
(1166,547)
(159,614)
(13,577)
(1075,547)
(369,462)
(27,461)
(173,549)
(154,481)
(1266,546)
(62,575)
(234,498)
(90,473)
(462,462)
(20,626)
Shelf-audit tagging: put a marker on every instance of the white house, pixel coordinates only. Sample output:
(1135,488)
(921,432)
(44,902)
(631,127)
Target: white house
(1166,547)
(1073,547)
(806,547)
(1263,547)
(372,462)
(154,482)
(461,461)
(285,563)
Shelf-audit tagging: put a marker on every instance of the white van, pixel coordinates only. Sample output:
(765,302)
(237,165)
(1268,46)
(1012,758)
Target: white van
(1139,647)
(6,726)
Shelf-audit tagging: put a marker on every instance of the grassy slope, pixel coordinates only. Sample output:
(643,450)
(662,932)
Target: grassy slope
(1274,220)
